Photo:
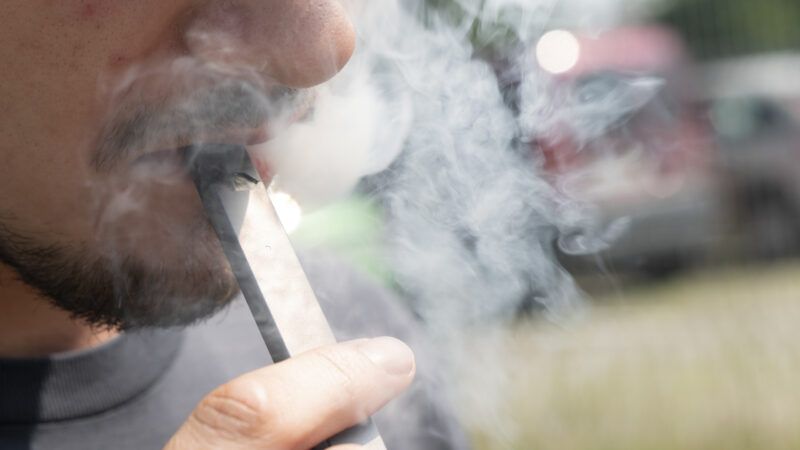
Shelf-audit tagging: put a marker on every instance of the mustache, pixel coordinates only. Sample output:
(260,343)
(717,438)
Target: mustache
(158,125)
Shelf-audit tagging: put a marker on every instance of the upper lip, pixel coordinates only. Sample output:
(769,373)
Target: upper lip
(237,135)
(234,135)
(231,112)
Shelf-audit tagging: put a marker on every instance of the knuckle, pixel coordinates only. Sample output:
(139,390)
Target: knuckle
(237,410)
(340,368)
(334,368)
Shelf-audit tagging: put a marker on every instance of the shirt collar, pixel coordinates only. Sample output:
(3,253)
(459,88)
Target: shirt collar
(84,383)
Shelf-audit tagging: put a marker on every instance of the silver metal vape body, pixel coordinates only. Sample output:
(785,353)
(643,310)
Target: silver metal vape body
(263,260)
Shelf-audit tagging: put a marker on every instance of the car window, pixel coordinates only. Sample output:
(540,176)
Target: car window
(748,119)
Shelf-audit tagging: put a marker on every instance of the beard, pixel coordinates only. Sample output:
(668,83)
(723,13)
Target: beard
(106,288)
(146,255)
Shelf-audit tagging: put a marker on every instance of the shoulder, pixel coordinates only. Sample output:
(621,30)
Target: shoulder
(357,306)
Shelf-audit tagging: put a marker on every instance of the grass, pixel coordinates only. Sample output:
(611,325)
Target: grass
(703,362)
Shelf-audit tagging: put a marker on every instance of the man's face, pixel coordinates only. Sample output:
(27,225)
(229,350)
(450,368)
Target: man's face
(96,211)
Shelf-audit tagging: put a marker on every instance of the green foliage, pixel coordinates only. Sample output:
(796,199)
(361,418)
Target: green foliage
(494,36)
(722,28)
(353,229)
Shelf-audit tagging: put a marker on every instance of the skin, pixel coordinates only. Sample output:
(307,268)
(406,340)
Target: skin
(77,71)
(76,67)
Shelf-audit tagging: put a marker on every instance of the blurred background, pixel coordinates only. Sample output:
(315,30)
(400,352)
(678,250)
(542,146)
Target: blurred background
(691,336)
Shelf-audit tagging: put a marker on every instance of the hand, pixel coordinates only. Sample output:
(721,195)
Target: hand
(300,402)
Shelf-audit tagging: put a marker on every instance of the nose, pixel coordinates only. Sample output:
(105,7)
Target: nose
(295,43)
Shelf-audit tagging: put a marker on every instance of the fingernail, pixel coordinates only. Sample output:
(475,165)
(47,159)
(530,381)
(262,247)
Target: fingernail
(390,354)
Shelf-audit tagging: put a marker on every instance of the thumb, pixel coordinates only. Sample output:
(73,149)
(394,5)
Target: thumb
(302,401)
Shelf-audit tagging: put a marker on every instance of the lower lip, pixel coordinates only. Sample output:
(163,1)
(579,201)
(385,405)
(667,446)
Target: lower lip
(169,166)
(261,167)
(166,165)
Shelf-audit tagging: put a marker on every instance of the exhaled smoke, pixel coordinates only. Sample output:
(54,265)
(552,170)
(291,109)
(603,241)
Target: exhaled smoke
(473,224)
(585,111)
(445,134)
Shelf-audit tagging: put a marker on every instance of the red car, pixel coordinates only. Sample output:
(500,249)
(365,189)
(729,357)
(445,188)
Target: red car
(628,139)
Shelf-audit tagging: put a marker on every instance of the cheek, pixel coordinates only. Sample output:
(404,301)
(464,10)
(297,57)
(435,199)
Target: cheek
(92,10)
(88,10)
(45,199)
(53,102)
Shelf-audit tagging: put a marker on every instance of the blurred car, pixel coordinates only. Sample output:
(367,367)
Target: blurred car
(649,169)
(755,111)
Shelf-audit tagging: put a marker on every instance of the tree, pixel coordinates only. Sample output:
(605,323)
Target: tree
(724,28)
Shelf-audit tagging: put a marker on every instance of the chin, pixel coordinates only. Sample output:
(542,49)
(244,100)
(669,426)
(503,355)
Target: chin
(138,296)
(136,263)
(154,262)
(123,290)
(170,278)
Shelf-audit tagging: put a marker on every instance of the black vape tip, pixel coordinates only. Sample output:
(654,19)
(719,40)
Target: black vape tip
(211,164)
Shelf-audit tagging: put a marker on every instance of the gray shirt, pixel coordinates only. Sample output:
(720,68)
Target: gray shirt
(135,391)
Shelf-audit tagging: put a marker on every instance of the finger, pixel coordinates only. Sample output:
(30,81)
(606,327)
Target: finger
(301,401)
